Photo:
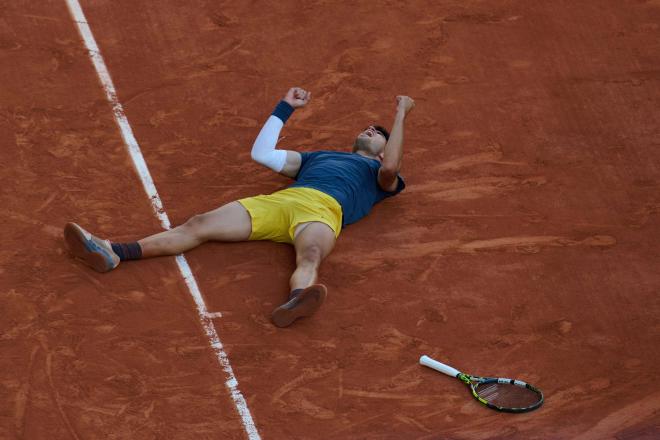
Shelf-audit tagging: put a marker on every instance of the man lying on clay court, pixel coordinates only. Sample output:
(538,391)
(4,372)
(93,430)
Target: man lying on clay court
(331,190)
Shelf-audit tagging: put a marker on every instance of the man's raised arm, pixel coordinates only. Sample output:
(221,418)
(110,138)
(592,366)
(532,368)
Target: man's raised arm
(263,151)
(393,153)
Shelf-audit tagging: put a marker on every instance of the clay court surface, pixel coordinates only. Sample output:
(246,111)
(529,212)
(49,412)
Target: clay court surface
(527,243)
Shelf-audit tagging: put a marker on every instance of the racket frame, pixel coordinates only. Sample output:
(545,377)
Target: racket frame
(473,382)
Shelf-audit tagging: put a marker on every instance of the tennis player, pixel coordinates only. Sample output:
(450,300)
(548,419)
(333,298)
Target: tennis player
(331,190)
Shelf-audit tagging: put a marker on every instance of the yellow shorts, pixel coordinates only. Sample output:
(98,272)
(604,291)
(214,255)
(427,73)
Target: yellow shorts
(275,216)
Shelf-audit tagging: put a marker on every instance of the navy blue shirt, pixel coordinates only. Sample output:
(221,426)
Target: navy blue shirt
(349,178)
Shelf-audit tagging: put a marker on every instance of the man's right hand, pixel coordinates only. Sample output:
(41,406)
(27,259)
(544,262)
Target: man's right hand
(404,104)
(297,97)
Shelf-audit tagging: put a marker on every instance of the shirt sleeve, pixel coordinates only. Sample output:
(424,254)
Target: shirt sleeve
(305,157)
(401,184)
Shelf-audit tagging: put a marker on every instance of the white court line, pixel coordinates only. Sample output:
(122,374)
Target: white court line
(141,167)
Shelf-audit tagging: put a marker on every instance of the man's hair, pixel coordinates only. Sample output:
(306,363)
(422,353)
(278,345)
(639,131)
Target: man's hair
(383,131)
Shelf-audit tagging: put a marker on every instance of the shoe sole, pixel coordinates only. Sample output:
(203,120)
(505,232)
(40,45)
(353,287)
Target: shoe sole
(74,237)
(308,302)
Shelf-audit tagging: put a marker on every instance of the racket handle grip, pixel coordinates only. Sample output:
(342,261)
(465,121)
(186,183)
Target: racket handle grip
(438,366)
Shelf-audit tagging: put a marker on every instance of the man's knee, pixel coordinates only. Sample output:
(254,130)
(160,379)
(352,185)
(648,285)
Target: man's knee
(310,255)
(230,222)
(196,225)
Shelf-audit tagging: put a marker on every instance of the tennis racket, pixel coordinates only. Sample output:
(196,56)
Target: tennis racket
(507,395)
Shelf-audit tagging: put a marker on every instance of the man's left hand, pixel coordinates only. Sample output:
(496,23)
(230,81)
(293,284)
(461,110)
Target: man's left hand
(404,104)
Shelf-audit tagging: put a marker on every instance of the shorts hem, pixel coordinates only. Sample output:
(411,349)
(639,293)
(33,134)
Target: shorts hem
(328,223)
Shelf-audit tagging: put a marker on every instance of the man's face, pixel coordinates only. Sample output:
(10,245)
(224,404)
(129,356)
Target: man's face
(370,141)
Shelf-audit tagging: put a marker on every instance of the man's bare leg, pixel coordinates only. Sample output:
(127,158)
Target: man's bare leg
(313,242)
(230,222)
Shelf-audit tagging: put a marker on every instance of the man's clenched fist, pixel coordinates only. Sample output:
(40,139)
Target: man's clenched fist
(297,97)
(404,103)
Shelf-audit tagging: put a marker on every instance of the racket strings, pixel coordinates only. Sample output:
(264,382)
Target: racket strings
(507,395)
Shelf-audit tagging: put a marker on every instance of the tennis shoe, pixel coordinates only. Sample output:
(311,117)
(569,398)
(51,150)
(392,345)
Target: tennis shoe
(304,304)
(91,250)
